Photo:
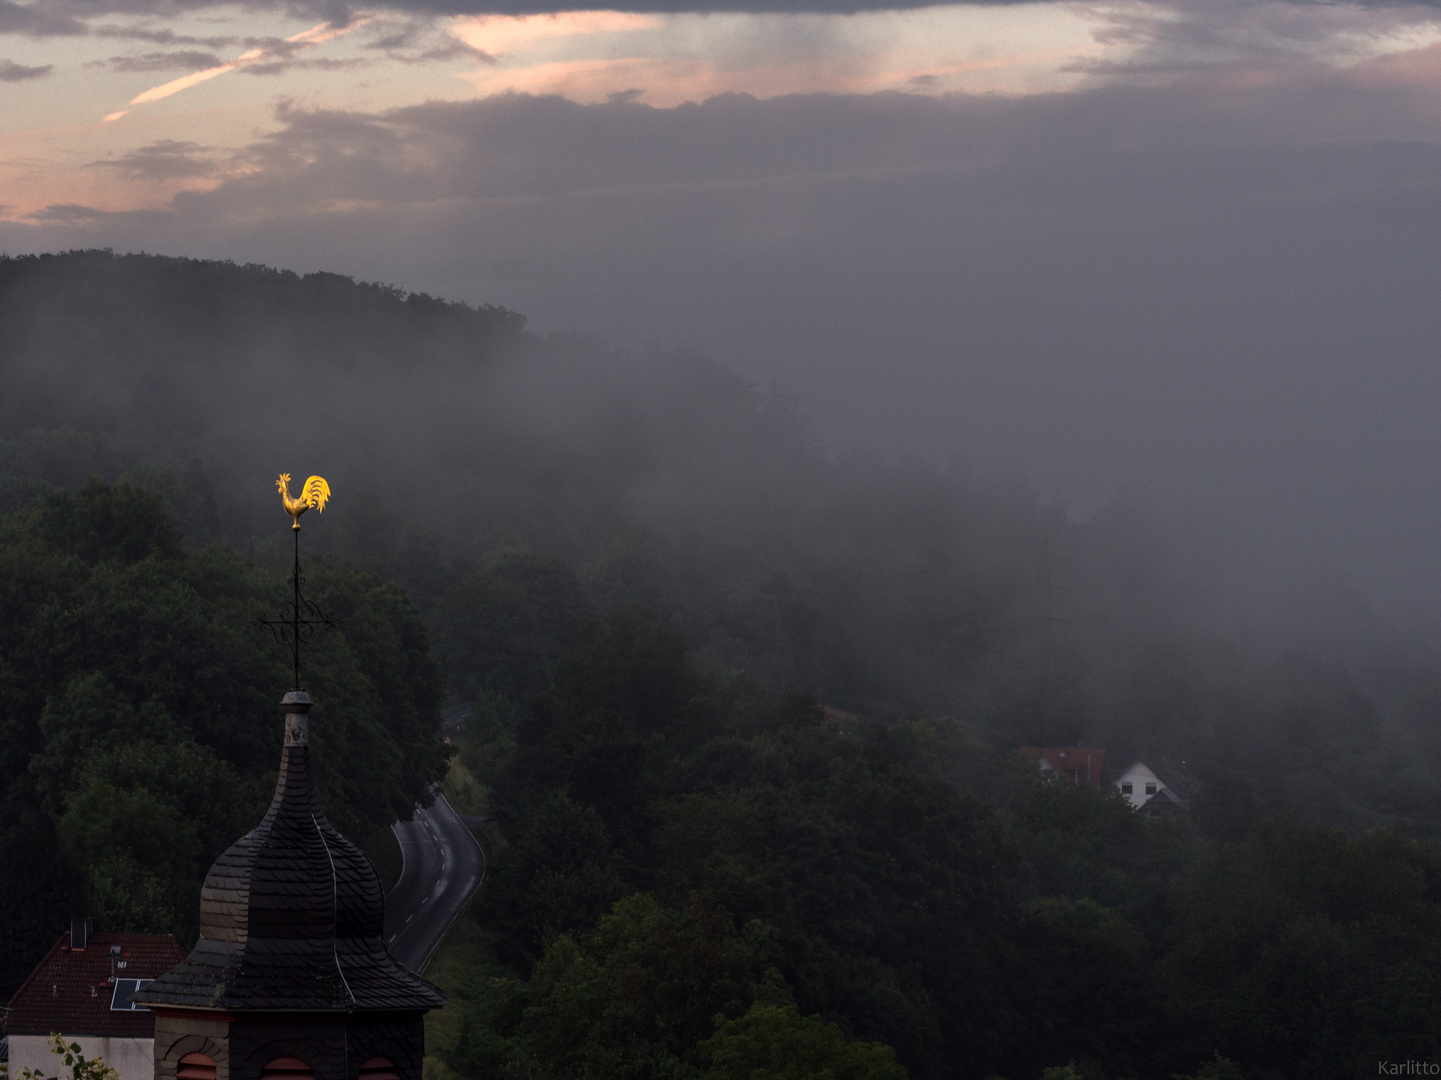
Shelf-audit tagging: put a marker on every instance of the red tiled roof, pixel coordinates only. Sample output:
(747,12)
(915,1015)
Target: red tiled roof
(70,990)
(1086,762)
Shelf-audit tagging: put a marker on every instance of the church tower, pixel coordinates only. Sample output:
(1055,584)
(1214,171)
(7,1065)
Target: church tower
(290,979)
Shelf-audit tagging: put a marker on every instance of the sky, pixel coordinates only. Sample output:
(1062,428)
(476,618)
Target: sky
(1184,249)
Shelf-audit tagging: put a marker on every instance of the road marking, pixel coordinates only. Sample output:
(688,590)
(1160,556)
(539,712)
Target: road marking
(438,827)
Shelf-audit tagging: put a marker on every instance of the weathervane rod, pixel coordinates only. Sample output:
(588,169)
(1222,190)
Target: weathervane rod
(304,617)
(295,611)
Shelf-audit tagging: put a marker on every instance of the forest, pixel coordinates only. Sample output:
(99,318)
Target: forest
(745,711)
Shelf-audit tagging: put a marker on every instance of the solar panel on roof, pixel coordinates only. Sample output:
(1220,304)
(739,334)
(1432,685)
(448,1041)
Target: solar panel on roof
(124,990)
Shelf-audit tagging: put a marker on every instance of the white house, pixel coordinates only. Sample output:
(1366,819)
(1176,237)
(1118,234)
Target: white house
(82,990)
(1156,786)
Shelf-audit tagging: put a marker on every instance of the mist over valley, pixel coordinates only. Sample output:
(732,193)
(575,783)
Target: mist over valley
(746,702)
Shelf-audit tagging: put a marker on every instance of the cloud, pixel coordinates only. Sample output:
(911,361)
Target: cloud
(269,55)
(280,67)
(503,33)
(1180,23)
(66,214)
(591,55)
(166,159)
(1250,39)
(450,48)
(162,36)
(419,40)
(1258,13)
(36,20)
(174,86)
(521,146)
(163,61)
(47,17)
(13,72)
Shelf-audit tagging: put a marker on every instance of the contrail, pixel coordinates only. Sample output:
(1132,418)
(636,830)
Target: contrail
(316,35)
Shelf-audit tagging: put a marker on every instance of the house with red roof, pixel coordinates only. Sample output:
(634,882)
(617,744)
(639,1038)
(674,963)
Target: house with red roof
(82,989)
(1078,764)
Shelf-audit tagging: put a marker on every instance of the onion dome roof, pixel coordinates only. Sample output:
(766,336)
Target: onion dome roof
(291,915)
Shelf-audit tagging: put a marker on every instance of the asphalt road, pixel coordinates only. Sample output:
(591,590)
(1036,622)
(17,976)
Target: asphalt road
(444,865)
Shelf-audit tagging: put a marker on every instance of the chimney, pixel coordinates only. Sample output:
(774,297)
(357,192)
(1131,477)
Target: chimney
(80,931)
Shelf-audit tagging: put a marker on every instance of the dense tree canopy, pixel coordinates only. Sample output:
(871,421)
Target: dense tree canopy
(697,875)
(646,793)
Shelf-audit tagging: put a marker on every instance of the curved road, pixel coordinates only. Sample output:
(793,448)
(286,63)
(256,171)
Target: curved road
(444,865)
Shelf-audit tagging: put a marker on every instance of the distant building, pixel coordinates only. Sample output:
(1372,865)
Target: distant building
(1079,764)
(82,990)
(1155,786)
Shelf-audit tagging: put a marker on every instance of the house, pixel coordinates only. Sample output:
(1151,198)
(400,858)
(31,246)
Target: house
(1155,786)
(82,990)
(1079,764)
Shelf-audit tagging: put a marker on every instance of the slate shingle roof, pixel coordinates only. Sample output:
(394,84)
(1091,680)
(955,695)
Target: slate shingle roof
(70,990)
(291,916)
(1173,774)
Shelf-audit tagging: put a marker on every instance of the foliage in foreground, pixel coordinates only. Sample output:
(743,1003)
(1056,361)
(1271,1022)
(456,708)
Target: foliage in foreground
(80,1067)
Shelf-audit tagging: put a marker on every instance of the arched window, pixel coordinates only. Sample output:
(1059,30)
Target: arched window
(287,1068)
(195,1067)
(379,1068)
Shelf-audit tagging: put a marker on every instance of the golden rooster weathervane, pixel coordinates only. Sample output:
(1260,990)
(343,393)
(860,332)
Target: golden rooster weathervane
(315,492)
(300,620)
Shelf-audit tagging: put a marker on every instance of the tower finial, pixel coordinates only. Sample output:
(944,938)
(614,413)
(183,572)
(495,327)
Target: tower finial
(301,619)
(315,493)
